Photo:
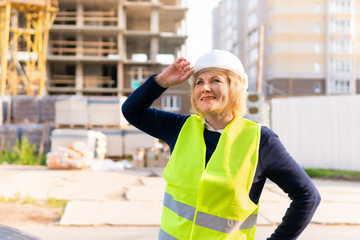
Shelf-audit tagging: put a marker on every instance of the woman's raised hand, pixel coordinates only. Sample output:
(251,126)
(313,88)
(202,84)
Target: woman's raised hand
(176,73)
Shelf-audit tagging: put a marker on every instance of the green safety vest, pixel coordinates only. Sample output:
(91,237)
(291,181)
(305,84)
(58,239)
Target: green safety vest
(212,202)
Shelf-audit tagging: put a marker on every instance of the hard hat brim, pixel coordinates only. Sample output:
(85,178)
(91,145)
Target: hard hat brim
(191,79)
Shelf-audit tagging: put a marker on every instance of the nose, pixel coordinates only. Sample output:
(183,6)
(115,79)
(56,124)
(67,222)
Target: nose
(206,88)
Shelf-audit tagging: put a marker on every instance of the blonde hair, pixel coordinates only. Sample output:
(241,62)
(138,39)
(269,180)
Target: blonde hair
(238,91)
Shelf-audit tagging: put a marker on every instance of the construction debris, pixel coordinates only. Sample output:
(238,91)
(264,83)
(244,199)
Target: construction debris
(74,156)
(94,140)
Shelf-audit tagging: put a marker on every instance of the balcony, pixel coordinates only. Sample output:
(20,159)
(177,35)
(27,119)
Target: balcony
(101,49)
(87,18)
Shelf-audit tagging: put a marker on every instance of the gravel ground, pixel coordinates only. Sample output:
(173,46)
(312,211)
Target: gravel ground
(21,215)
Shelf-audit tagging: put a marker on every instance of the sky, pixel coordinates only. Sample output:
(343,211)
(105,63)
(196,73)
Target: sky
(199,24)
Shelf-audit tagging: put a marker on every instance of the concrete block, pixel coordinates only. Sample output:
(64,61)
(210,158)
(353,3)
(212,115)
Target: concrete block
(71,110)
(106,111)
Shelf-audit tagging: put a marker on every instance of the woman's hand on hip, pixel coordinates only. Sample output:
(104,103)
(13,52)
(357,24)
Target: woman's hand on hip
(175,74)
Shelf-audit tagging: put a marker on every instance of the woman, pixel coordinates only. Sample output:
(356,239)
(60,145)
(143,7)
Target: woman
(219,160)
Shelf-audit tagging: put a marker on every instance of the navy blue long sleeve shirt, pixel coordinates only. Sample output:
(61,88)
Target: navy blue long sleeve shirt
(274,162)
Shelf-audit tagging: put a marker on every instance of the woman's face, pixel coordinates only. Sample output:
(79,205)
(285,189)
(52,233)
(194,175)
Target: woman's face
(212,93)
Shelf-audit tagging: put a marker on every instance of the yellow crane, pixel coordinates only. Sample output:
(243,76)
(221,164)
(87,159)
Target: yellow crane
(24,35)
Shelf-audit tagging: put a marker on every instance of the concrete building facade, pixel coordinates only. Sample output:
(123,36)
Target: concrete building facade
(110,47)
(294,47)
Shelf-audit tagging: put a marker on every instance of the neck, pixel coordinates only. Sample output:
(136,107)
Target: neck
(219,121)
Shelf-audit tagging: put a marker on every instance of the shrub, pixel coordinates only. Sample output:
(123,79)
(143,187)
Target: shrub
(23,153)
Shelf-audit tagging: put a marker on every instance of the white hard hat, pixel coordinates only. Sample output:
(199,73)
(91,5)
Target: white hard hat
(219,59)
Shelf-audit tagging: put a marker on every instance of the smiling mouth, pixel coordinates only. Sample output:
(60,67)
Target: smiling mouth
(207,98)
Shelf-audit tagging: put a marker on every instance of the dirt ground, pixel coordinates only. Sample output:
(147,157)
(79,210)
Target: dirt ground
(20,215)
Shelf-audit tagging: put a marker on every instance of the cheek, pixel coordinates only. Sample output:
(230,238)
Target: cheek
(223,91)
(196,93)
(227,94)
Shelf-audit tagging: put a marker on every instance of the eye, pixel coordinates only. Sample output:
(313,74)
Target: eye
(199,82)
(217,80)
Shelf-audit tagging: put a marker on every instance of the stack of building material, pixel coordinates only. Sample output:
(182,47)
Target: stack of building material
(25,109)
(100,145)
(94,140)
(134,139)
(22,110)
(164,156)
(6,108)
(138,158)
(115,141)
(8,136)
(47,109)
(33,133)
(151,157)
(1,111)
(71,110)
(106,111)
(46,138)
(37,134)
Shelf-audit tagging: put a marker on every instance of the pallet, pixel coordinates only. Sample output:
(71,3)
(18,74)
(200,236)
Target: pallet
(29,123)
(71,126)
(116,158)
(24,122)
(86,126)
(104,126)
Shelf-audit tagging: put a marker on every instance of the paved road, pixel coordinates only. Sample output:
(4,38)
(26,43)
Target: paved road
(134,198)
(313,232)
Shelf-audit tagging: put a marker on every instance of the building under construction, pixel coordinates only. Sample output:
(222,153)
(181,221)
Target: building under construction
(90,47)
(24,29)
(110,47)
(99,51)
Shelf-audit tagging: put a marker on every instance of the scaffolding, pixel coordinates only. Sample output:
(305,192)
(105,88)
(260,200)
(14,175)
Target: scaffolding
(24,34)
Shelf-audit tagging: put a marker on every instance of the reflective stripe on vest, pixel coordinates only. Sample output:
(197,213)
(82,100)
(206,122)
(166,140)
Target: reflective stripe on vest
(212,202)
(207,220)
(165,236)
(224,225)
(181,209)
